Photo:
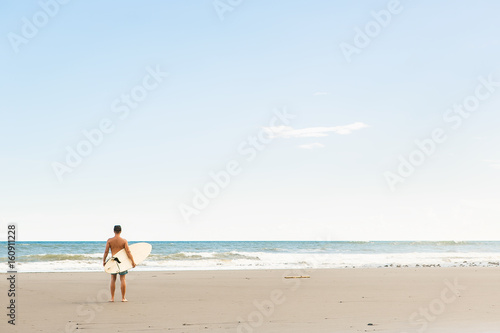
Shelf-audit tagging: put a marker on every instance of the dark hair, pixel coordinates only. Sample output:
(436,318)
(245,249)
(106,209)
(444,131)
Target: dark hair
(118,228)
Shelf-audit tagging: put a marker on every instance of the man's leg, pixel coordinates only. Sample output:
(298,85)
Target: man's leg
(112,287)
(123,286)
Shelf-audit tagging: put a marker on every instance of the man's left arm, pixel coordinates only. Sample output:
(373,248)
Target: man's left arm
(105,254)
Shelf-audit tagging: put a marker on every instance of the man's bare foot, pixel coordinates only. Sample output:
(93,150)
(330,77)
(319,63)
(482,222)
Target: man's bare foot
(112,300)
(124,300)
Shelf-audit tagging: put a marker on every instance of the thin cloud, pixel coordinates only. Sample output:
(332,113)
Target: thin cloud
(493,164)
(311,132)
(311,145)
(321,93)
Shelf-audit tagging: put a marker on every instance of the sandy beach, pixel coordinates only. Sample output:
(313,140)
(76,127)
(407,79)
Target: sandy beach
(334,300)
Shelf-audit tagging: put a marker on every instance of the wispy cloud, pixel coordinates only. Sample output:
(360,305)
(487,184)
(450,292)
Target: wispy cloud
(311,145)
(493,164)
(310,132)
(321,93)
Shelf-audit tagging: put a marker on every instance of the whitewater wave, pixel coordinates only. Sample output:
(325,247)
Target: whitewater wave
(233,255)
(262,260)
(57,257)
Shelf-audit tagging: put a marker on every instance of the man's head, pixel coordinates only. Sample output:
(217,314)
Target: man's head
(117,229)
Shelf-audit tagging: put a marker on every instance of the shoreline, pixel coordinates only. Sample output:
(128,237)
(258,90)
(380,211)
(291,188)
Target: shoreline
(456,299)
(229,269)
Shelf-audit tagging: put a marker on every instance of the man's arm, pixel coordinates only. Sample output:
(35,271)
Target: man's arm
(129,254)
(105,254)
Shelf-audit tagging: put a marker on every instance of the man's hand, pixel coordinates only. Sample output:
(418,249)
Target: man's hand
(104,263)
(133,264)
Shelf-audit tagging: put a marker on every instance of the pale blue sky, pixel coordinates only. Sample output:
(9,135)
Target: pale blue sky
(225,79)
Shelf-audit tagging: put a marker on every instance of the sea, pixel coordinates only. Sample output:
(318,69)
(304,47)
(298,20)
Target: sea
(171,256)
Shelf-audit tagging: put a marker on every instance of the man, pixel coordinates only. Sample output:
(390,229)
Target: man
(116,244)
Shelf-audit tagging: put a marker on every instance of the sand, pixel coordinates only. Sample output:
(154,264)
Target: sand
(334,300)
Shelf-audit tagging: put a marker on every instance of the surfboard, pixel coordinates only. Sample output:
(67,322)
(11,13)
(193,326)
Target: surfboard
(120,261)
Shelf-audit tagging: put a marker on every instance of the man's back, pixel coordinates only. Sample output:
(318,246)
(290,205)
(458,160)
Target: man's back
(116,244)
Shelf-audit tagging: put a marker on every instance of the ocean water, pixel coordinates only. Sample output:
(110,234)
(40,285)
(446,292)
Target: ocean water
(87,256)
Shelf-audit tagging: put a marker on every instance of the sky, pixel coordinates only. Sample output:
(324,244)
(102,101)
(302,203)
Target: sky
(250,120)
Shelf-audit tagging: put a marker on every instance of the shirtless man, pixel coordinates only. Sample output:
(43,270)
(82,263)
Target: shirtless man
(116,244)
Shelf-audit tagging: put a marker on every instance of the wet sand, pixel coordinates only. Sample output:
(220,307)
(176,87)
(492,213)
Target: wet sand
(333,300)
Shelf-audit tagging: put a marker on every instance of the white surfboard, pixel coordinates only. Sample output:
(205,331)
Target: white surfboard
(120,261)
